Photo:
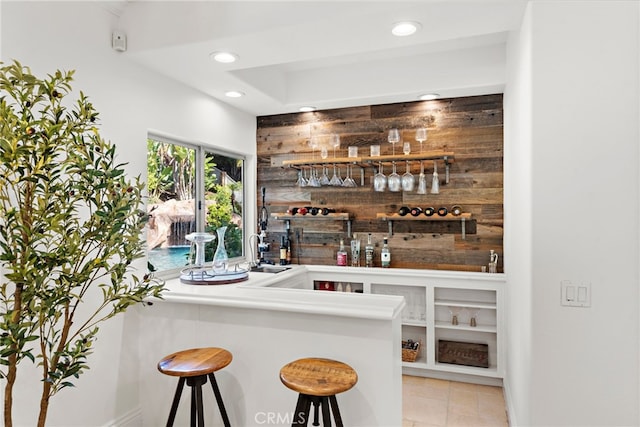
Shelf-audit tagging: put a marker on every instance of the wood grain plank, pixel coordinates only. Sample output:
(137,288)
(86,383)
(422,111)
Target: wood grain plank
(472,127)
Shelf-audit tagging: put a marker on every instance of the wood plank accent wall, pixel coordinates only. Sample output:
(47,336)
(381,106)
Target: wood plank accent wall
(471,127)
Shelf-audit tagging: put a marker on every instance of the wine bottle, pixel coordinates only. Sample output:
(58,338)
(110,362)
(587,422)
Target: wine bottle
(416,211)
(314,211)
(341,257)
(368,252)
(327,211)
(283,251)
(293,211)
(302,211)
(385,254)
(403,211)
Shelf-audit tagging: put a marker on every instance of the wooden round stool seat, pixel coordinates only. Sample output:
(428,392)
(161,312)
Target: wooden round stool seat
(195,366)
(195,362)
(317,381)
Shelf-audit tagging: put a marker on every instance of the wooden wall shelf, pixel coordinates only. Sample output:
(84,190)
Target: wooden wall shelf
(447,156)
(435,217)
(337,216)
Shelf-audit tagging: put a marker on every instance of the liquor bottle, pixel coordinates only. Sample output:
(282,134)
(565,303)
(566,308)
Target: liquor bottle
(368,252)
(302,211)
(355,252)
(283,251)
(385,254)
(342,255)
(416,211)
(403,211)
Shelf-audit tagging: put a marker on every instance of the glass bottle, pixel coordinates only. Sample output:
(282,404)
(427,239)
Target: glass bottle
(288,242)
(283,250)
(385,254)
(342,255)
(355,252)
(368,252)
(220,257)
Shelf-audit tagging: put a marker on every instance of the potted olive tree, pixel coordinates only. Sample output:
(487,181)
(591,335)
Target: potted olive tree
(71,226)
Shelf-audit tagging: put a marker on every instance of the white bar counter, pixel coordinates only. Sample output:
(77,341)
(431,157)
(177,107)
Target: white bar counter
(265,322)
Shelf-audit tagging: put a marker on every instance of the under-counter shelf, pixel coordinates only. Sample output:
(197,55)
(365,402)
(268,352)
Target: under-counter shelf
(448,217)
(431,301)
(480,328)
(466,304)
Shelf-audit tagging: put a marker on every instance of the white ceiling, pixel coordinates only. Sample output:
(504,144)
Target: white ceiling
(327,54)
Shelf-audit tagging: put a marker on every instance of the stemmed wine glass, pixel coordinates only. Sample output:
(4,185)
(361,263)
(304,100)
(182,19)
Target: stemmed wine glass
(435,185)
(301,182)
(393,138)
(348,181)
(324,179)
(335,143)
(407,179)
(422,180)
(421,136)
(394,181)
(335,179)
(313,143)
(379,180)
(313,178)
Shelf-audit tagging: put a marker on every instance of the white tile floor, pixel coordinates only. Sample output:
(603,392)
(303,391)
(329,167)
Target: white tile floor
(428,402)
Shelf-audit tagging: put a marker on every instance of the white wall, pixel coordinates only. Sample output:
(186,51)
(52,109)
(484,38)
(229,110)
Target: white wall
(518,233)
(58,35)
(573,96)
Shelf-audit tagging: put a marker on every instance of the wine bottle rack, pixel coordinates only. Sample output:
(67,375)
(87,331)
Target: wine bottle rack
(336,216)
(448,217)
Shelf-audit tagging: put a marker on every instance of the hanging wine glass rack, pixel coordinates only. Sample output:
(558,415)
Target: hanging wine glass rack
(370,161)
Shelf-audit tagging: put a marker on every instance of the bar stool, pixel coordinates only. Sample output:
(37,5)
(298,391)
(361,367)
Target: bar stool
(194,366)
(317,381)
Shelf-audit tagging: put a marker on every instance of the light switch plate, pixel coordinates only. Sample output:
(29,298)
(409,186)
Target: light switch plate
(575,294)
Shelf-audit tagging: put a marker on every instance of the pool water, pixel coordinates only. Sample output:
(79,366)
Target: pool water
(169,258)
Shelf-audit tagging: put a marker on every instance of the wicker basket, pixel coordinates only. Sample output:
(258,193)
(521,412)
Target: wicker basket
(409,354)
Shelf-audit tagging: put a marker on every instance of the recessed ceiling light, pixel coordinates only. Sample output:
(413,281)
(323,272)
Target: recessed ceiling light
(234,94)
(429,96)
(307,109)
(224,57)
(405,28)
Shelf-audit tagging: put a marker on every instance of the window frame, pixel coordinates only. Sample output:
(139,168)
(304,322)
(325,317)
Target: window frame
(201,150)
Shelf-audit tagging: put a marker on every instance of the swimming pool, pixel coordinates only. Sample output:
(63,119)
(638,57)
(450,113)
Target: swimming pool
(169,258)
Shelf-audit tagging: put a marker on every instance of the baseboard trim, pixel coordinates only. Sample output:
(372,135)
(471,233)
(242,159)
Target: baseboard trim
(133,418)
